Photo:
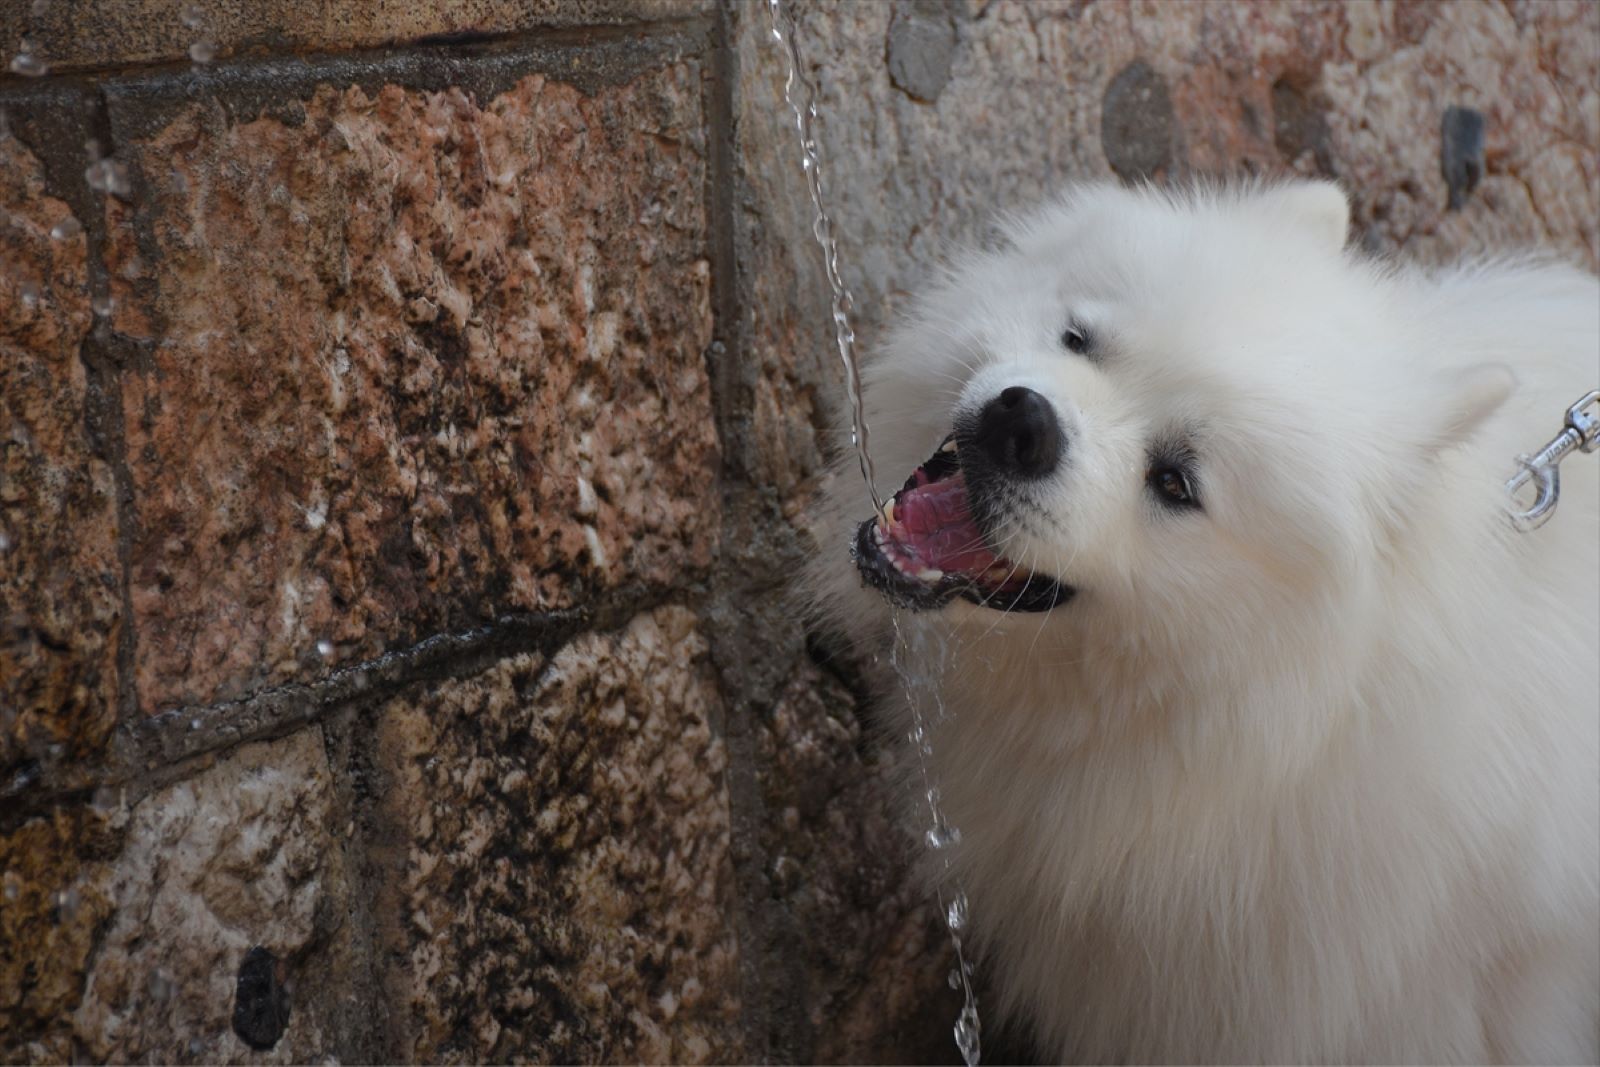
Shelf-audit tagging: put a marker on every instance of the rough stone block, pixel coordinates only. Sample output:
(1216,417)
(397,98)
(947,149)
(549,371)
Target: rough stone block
(869,954)
(1532,70)
(125,927)
(559,873)
(416,359)
(54,894)
(73,34)
(60,577)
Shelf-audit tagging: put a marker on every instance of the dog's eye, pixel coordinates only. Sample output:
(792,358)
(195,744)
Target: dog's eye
(1075,339)
(1172,487)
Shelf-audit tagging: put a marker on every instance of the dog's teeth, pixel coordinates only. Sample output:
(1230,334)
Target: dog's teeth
(948,446)
(930,574)
(888,512)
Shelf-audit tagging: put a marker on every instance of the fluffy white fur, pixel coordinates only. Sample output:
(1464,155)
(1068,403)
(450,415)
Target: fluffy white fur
(1311,774)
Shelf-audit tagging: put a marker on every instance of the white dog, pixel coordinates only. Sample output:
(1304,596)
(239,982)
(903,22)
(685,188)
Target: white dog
(1270,738)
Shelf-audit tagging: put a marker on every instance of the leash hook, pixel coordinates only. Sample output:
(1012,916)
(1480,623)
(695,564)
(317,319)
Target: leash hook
(1580,432)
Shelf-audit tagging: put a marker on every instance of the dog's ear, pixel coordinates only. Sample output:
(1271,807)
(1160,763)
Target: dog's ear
(1319,207)
(1465,399)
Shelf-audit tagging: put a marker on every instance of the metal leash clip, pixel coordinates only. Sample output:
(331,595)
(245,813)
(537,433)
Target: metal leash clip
(1581,432)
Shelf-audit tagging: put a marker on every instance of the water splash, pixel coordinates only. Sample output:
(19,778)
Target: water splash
(801,96)
(920,656)
(203,49)
(26,62)
(917,670)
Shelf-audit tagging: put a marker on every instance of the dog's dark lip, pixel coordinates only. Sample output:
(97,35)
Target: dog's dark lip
(1029,592)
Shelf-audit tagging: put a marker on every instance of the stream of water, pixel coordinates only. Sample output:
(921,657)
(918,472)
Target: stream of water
(921,648)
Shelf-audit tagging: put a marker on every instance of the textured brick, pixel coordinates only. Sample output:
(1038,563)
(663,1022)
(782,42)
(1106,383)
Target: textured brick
(71,34)
(560,877)
(416,361)
(54,893)
(124,927)
(1532,69)
(60,605)
(871,955)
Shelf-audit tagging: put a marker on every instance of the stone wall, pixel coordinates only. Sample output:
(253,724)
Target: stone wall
(407,418)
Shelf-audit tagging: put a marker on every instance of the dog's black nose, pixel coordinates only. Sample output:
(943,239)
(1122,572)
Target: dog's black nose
(1019,433)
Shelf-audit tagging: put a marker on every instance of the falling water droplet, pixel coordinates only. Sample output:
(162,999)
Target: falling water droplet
(203,51)
(966,1031)
(160,986)
(956,914)
(194,724)
(5,542)
(26,63)
(39,8)
(66,229)
(942,837)
(67,901)
(103,304)
(954,978)
(11,890)
(325,649)
(801,97)
(196,1046)
(106,799)
(191,16)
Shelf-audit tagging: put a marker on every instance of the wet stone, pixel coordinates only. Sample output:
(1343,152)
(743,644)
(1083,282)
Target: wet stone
(60,605)
(559,885)
(868,946)
(474,387)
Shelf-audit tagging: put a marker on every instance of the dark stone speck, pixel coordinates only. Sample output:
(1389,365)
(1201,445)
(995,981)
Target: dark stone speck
(1137,127)
(1461,153)
(260,1003)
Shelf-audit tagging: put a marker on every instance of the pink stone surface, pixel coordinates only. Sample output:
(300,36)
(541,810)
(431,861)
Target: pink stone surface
(60,609)
(417,361)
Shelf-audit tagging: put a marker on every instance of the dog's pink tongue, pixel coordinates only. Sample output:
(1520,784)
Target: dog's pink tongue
(934,524)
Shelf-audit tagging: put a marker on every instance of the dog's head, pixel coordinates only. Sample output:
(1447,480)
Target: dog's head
(1159,415)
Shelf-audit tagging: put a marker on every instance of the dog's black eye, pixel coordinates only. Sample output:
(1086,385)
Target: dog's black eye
(1075,339)
(1172,487)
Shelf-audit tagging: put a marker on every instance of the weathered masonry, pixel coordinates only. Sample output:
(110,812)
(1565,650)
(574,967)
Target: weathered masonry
(408,416)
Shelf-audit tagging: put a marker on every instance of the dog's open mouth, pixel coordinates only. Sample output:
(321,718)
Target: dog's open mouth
(927,548)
